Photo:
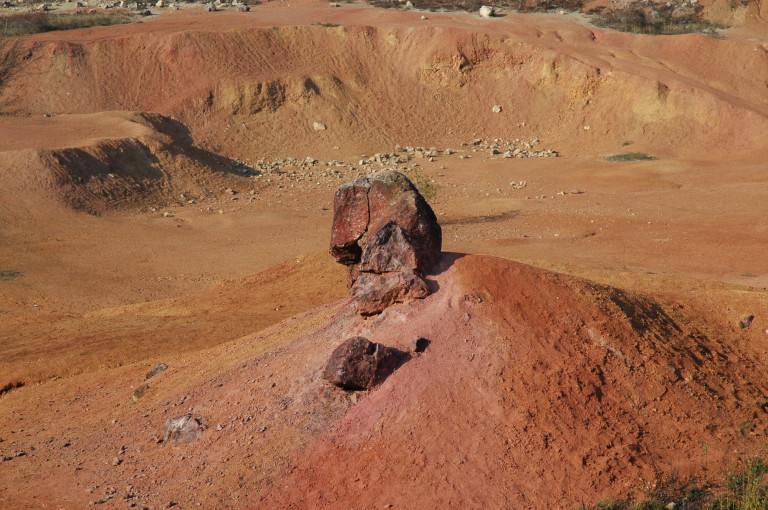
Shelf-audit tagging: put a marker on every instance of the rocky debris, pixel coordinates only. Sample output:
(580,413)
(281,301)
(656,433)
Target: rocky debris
(512,149)
(319,126)
(359,364)
(746,321)
(160,367)
(419,344)
(211,7)
(160,4)
(140,391)
(184,429)
(403,159)
(486,11)
(373,293)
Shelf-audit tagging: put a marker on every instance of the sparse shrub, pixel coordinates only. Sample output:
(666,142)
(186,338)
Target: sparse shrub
(661,20)
(17,25)
(10,386)
(426,186)
(630,156)
(9,274)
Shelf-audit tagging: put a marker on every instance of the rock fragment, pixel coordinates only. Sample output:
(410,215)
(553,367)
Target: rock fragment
(184,429)
(359,364)
(373,293)
(486,11)
(158,368)
(746,321)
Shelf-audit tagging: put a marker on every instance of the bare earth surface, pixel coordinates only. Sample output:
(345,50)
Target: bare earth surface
(584,330)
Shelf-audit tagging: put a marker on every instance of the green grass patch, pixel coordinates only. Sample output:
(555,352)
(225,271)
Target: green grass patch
(17,25)
(630,156)
(7,275)
(742,487)
(426,185)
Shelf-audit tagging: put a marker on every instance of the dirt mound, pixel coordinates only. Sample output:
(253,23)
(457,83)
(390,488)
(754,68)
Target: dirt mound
(537,391)
(106,161)
(533,385)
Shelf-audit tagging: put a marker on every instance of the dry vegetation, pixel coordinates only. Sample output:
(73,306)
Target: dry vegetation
(17,25)
(666,18)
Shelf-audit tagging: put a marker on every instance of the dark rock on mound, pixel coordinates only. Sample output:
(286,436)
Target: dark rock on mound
(360,364)
(387,236)
(373,293)
(386,210)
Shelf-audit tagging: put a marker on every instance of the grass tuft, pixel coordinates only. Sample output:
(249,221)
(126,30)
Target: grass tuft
(426,186)
(9,274)
(630,156)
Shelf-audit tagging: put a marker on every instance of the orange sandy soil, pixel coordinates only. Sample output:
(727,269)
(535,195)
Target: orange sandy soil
(595,353)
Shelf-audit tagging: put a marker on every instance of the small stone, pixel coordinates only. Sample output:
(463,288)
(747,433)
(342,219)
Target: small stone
(419,344)
(184,429)
(319,126)
(211,7)
(746,321)
(167,215)
(160,367)
(496,108)
(160,4)
(486,11)
(140,391)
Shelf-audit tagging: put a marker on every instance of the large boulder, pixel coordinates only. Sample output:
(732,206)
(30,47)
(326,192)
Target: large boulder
(373,293)
(359,364)
(369,204)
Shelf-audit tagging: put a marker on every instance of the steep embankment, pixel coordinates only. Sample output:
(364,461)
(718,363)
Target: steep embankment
(537,391)
(257,90)
(103,161)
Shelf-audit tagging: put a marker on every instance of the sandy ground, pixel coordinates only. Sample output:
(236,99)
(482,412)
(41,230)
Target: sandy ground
(127,239)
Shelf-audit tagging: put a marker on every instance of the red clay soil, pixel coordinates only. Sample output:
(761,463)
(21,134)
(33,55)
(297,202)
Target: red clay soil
(537,390)
(128,238)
